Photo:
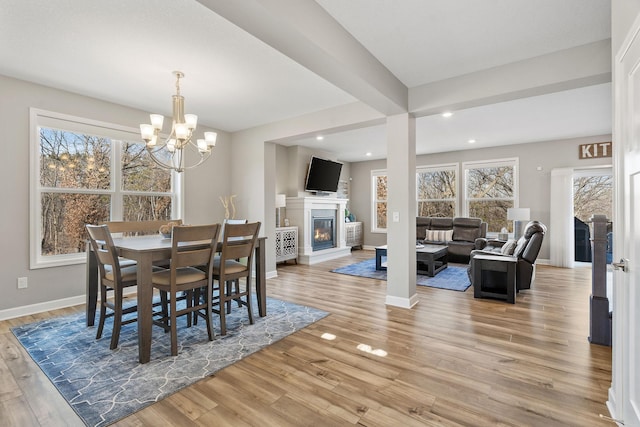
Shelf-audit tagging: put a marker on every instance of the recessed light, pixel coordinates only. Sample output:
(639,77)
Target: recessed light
(368,154)
(472,141)
(447,114)
(319,138)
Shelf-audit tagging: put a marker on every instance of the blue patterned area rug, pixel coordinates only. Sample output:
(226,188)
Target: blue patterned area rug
(453,278)
(104,386)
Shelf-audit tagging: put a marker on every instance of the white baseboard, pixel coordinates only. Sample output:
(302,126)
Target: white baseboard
(402,302)
(26,310)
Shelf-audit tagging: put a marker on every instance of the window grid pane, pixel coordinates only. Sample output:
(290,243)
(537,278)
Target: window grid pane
(490,191)
(140,173)
(63,218)
(71,160)
(380,202)
(146,208)
(436,191)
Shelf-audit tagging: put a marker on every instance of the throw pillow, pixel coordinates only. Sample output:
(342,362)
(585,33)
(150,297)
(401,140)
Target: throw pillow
(508,247)
(439,235)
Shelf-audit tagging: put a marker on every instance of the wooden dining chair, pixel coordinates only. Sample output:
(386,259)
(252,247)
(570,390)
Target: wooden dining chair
(238,241)
(114,277)
(191,247)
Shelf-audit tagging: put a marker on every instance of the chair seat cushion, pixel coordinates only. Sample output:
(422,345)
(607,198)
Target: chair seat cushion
(183,275)
(124,262)
(128,273)
(230,266)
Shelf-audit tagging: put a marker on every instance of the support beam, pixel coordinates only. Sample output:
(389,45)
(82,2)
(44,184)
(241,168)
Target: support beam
(306,33)
(572,68)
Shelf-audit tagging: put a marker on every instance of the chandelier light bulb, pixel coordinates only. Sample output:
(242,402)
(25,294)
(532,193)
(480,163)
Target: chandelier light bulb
(182,131)
(146,131)
(210,138)
(157,120)
(191,120)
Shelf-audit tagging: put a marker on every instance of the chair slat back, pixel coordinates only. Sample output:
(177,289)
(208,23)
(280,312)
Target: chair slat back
(133,228)
(193,245)
(239,241)
(103,247)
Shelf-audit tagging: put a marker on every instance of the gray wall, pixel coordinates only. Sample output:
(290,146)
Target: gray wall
(203,186)
(534,184)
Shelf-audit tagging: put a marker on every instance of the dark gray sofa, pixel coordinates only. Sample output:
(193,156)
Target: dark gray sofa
(463,238)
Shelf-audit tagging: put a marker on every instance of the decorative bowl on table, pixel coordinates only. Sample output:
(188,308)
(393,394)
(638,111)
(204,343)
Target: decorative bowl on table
(166,230)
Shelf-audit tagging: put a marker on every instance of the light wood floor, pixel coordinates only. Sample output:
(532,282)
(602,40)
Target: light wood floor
(452,360)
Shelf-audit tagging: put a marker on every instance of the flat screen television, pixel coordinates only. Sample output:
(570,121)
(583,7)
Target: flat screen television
(323,175)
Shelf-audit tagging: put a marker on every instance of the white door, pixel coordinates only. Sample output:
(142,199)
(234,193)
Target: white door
(624,396)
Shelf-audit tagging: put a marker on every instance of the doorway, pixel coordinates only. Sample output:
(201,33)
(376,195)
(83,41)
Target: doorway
(592,195)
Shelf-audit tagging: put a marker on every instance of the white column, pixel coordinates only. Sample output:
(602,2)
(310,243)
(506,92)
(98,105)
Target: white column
(401,211)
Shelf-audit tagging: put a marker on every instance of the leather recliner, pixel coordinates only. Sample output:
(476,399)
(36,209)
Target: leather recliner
(526,251)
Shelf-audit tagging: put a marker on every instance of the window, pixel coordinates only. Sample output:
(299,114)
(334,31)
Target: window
(87,172)
(593,194)
(436,190)
(490,189)
(379,197)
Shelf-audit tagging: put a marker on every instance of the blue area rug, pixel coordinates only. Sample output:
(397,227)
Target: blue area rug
(452,278)
(104,385)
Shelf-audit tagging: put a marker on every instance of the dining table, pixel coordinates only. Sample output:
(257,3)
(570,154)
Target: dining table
(147,250)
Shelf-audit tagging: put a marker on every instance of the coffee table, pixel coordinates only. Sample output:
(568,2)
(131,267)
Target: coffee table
(430,259)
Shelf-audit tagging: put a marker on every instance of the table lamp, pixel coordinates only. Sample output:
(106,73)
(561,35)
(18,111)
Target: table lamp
(281,202)
(519,216)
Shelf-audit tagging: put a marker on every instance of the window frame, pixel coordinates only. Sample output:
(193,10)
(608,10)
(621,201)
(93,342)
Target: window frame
(117,133)
(479,164)
(455,167)
(375,173)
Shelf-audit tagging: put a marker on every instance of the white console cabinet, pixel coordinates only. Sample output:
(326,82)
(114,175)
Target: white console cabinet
(354,234)
(286,244)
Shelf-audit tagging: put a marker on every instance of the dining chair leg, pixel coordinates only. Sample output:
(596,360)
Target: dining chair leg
(173,327)
(188,296)
(250,311)
(117,318)
(222,310)
(229,289)
(103,311)
(208,313)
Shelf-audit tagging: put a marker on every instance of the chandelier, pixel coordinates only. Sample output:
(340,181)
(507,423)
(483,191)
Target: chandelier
(171,152)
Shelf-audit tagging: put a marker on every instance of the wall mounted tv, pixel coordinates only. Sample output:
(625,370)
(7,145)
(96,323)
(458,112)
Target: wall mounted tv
(323,175)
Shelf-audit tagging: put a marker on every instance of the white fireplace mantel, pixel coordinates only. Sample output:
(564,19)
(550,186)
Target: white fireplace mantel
(299,213)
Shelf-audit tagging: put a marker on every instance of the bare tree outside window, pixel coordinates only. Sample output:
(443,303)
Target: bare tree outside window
(381,201)
(593,195)
(490,192)
(436,192)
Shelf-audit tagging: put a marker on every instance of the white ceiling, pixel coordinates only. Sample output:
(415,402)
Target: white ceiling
(124,51)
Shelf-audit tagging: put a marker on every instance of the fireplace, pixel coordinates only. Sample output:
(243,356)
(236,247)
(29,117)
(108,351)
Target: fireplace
(321,221)
(323,232)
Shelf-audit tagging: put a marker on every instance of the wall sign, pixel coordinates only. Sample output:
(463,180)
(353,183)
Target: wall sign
(595,150)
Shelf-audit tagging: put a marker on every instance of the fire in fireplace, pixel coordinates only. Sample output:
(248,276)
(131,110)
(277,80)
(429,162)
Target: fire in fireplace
(324,231)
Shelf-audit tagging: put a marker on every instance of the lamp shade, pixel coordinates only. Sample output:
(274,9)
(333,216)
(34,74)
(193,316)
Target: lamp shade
(518,214)
(281,200)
